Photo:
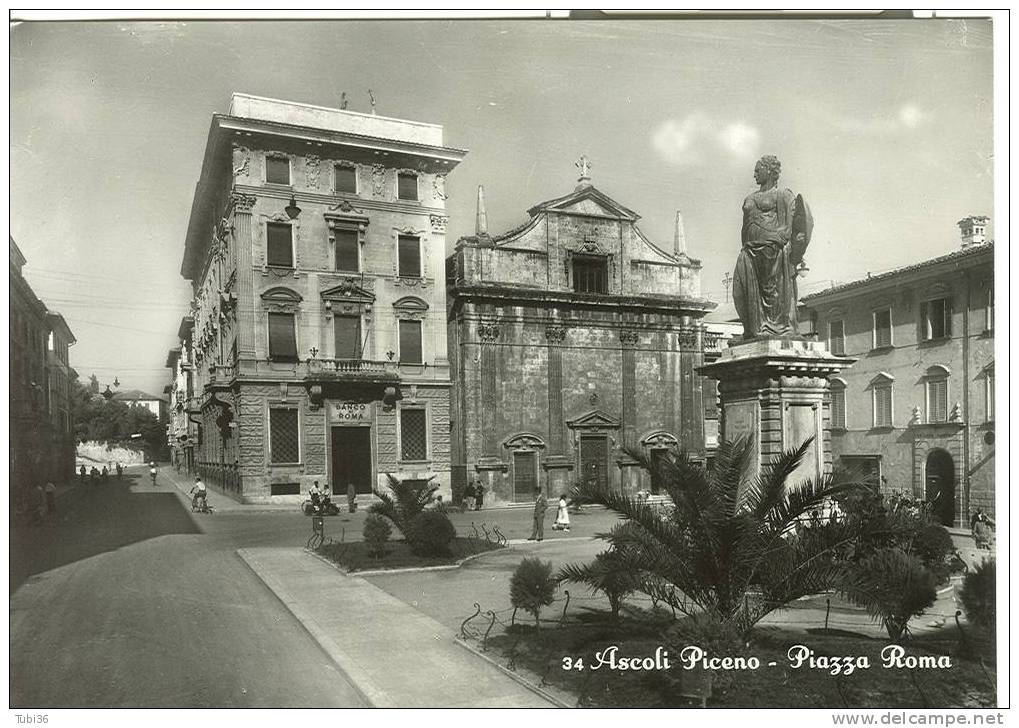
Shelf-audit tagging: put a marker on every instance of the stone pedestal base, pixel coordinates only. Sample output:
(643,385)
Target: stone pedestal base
(778,392)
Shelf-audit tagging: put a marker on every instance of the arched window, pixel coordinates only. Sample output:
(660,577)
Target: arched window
(838,404)
(881,393)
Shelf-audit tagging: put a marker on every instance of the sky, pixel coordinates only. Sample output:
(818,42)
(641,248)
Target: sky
(885,127)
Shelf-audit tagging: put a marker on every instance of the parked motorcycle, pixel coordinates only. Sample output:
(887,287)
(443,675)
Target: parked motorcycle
(325,507)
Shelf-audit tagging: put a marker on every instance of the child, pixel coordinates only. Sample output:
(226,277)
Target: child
(562,516)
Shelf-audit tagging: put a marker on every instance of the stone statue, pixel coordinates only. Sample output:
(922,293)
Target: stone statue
(776,231)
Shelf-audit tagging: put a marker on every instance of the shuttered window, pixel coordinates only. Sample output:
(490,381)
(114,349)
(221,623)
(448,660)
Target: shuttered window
(280,245)
(838,406)
(883,404)
(277,170)
(407,186)
(284,436)
(282,337)
(837,337)
(346,179)
(346,251)
(413,435)
(937,399)
(409,256)
(410,342)
(882,328)
(348,337)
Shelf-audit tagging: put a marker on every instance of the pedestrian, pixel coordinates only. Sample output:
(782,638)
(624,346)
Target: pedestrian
(82,473)
(982,534)
(51,498)
(120,471)
(316,497)
(40,504)
(977,515)
(469,496)
(104,474)
(540,506)
(351,497)
(479,495)
(93,475)
(562,516)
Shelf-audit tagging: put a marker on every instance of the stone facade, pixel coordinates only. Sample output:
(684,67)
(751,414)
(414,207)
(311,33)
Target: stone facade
(361,201)
(574,339)
(41,422)
(923,336)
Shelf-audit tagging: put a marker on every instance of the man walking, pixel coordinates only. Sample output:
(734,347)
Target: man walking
(540,506)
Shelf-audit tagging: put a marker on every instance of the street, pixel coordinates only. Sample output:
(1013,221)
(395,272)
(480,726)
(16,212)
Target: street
(129,600)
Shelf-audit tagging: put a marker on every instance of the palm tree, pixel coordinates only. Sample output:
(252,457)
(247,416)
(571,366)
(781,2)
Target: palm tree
(409,498)
(606,574)
(730,545)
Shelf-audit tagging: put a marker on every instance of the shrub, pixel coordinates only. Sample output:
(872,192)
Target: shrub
(605,574)
(978,594)
(376,533)
(430,533)
(532,586)
(892,585)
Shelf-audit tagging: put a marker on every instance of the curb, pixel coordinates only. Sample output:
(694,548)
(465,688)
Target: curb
(513,676)
(362,683)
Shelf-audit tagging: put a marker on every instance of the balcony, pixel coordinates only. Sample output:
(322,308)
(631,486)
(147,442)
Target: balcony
(358,369)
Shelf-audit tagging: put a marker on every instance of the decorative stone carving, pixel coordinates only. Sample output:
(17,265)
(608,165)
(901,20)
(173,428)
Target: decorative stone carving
(956,415)
(660,439)
(312,168)
(242,202)
(555,334)
(439,223)
(523,441)
(488,333)
(241,161)
(917,416)
(629,338)
(687,339)
(378,180)
(439,188)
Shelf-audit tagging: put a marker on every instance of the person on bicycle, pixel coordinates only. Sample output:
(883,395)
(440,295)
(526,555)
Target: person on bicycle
(316,497)
(152,472)
(198,493)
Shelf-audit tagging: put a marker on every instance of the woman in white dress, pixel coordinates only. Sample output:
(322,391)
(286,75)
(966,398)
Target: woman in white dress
(562,516)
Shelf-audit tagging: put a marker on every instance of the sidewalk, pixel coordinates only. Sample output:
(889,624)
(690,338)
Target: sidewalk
(394,655)
(218,500)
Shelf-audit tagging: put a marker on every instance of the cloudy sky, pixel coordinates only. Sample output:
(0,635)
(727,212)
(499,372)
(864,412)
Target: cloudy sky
(885,127)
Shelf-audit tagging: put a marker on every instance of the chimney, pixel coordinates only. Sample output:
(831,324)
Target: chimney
(679,244)
(972,229)
(481,226)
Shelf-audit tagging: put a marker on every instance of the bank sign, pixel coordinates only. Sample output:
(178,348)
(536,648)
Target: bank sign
(353,412)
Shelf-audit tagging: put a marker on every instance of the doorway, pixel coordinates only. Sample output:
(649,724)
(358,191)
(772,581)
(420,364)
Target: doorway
(351,460)
(939,489)
(525,476)
(594,460)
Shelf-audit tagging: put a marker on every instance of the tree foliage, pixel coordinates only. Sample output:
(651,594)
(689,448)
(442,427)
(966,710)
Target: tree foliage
(607,574)
(404,500)
(111,421)
(532,586)
(979,591)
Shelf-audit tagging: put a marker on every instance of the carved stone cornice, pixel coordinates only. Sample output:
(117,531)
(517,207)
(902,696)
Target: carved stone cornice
(629,339)
(439,223)
(242,202)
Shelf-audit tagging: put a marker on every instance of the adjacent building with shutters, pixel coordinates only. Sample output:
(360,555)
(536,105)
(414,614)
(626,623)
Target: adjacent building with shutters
(574,341)
(916,410)
(317,342)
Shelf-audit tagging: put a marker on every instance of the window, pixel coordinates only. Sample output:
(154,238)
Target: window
(937,394)
(348,337)
(413,435)
(409,256)
(282,337)
(346,179)
(410,342)
(837,338)
(865,467)
(989,395)
(346,251)
(989,311)
(284,436)
(280,245)
(590,274)
(838,405)
(935,319)
(407,186)
(882,392)
(882,328)
(277,170)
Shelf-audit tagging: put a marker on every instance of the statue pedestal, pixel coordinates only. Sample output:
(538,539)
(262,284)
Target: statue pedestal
(778,392)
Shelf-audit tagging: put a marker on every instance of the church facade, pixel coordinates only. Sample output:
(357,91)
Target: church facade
(573,342)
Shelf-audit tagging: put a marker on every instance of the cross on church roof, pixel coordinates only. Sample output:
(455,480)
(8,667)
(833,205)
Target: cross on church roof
(584,165)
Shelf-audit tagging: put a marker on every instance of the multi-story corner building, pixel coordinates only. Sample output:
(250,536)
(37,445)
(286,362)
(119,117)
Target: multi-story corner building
(917,408)
(315,251)
(574,341)
(42,430)
(182,431)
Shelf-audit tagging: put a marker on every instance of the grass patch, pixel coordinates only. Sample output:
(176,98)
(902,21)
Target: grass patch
(354,556)
(968,683)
